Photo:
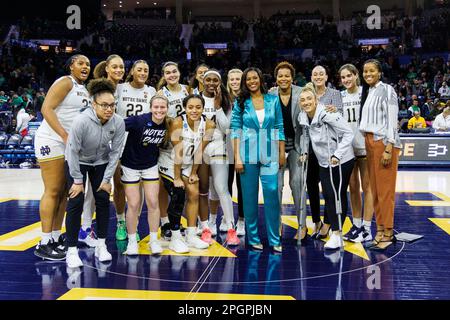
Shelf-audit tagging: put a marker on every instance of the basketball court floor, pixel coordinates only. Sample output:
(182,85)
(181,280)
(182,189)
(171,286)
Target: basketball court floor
(418,270)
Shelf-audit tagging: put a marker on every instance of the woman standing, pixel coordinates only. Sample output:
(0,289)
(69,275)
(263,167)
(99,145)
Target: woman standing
(234,87)
(112,69)
(257,125)
(378,123)
(133,99)
(196,82)
(332,100)
(351,99)
(189,135)
(66,98)
(89,153)
(324,131)
(140,165)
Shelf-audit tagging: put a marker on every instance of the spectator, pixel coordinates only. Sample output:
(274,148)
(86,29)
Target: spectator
(22,121)
(417,121)
(442,121)
(444,91)
(415,107)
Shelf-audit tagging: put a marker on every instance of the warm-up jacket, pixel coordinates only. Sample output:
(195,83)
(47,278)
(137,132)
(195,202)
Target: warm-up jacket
(91,143)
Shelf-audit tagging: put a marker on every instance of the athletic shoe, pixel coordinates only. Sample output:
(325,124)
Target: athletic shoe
(88,237)
(60,245)
(121,233)
(178,245)
(213,228)
(351,233)
(182,230)
(101,252)
(48,252)
(362,235)
(166,233)
(224,227)
(132,249)
(334,242)
(73,260)
(277,249)
(240,228)
(232,239)
(196,242)
(206,236)
(155,247)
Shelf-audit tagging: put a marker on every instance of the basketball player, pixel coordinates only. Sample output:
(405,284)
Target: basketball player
(66,98)
(196,82)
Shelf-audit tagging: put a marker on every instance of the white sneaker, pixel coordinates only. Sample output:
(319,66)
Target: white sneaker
(213,228)
(224,227)
(196,242)
(361,236)
(155,247)
(178,245)
(73,260)
(240,228)
(101,252)
(334,242)
(132,248)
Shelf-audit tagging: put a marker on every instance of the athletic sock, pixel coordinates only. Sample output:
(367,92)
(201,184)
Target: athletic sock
(153,236)
(190,232)
(102,242)
(367,225)
(357,222)
(176,233)
(55,235)
(204,224)
(132,237)
(164,220)
(213,218)
(120,217)
(46,238)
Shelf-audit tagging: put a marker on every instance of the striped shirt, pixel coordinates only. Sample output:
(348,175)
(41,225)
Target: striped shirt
(379,114)
(332,96)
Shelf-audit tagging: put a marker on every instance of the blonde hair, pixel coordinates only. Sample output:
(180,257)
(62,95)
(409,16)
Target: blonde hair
(228,79)
(309,87)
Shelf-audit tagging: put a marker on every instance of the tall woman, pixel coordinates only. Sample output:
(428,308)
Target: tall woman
(133,99)
(378,123)
(331,139)
(66,98)
(112,69)
(234,87)
(257,126)
(331,99)
(93,150)
(351,98)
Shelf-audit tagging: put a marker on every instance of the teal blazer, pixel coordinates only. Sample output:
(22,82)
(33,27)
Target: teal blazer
(258,145)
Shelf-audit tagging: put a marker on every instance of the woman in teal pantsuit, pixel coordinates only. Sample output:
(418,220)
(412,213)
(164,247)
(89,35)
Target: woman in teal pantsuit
(258,139)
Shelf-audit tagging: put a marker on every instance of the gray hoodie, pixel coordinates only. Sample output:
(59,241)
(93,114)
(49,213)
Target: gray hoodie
(340,136)
(89,144)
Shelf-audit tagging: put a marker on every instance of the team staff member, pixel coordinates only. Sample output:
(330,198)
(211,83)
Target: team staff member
(66,98)
(257,126)
(140,164)
(89,153)
(324,132)
(378,123)
(351,98)
(289,95)
(112,69)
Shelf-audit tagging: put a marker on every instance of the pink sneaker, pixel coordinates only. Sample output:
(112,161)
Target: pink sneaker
(232,238)
(206,236)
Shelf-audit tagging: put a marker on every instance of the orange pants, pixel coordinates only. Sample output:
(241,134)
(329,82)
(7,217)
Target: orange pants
(382,181)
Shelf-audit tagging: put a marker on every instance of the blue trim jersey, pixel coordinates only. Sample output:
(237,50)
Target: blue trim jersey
(142,146)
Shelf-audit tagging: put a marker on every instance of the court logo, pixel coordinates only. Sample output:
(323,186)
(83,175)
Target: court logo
(374,279)
(374,20)
(45,151)
(74,20)
(435,150)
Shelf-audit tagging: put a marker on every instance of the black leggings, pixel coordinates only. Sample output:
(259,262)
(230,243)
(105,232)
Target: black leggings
(176,203)
(328,193)
(312,183)
(238,184)
(75,205)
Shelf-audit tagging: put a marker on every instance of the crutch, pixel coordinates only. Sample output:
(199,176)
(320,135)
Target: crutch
(302,212)
(337,195)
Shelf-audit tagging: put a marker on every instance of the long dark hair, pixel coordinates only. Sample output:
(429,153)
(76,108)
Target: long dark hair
(365,86)
(100,68)
(226,97)
(130,74)
(193,82)
(245,93)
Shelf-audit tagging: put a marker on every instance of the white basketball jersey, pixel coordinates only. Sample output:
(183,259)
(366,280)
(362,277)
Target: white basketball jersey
(352,105)
(175,101)
(76,101)
(209,111)
(132,101)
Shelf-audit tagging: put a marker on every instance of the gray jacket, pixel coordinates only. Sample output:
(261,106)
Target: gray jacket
(295,110)
(91,143)
(340,136)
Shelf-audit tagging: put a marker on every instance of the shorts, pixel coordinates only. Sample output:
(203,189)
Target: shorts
(132,176)
(167,171)
(48,149)
(216,153)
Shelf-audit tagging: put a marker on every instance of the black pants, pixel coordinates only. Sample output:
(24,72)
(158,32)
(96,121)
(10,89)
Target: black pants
(328,193)
(238,184)
(312,183)
(75,205)
(176,203)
